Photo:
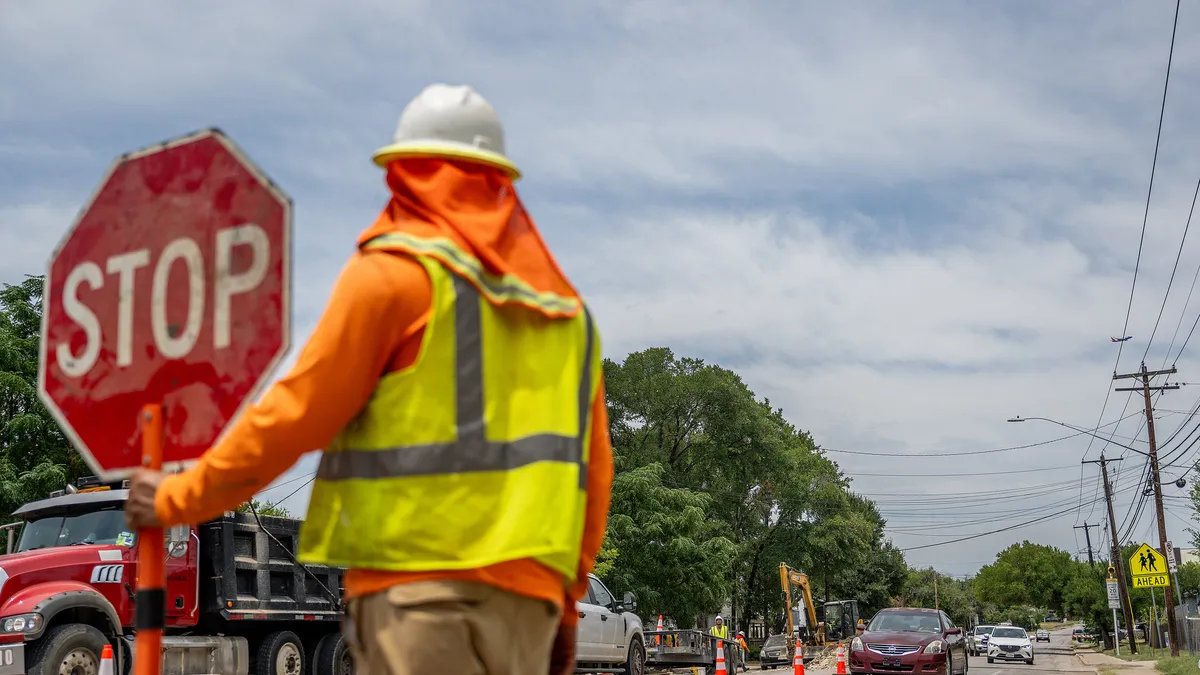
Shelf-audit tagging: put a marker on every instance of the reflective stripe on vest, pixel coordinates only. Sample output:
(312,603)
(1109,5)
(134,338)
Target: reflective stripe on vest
(474,455)
(507,288)
(471,451)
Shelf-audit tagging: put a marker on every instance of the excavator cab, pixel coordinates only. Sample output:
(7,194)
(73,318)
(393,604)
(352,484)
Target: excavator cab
(841,620)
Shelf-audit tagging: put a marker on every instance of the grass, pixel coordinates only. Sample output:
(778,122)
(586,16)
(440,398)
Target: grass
(1144,654)
(1180,665)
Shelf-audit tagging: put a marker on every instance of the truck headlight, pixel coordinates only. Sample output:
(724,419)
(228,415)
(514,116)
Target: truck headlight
(22,623)
(856,645)
(935,647)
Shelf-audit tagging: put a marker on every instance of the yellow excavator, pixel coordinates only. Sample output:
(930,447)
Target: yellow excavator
(841,616)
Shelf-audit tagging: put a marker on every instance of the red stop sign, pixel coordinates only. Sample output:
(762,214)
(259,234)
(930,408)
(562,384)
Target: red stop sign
(172,287)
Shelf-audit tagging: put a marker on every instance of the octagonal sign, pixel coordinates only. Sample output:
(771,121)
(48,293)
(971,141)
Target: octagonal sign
(172,287)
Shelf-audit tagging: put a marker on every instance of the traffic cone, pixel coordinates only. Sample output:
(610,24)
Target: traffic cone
(798,662)
(106,661)
(721,659)
(841,662)
(658,638)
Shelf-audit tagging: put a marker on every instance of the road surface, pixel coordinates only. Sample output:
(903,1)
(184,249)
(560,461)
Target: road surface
(1055,657)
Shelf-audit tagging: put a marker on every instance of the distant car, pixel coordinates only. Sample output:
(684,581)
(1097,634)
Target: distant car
(1077,635)
(977,640)
(1043,635)
(903,639)
(1010,643)
(774,653)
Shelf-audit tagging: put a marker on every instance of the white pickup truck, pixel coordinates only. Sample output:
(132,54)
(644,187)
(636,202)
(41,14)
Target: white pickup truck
(609,636)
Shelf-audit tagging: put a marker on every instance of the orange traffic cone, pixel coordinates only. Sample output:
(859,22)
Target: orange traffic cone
(106,661)
(658,638)
(841,662)
(721,659)
(798,662)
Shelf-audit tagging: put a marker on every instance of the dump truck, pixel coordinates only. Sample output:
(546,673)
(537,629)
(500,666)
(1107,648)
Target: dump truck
(237,601)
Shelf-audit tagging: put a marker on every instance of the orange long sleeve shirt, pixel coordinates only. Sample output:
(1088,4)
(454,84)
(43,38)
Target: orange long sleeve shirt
(373,325)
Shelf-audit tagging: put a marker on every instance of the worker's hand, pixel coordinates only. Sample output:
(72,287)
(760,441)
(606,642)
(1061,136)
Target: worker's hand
(139,509)
(562,657)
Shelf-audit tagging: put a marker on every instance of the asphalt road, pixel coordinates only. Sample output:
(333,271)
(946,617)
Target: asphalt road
(1055,657)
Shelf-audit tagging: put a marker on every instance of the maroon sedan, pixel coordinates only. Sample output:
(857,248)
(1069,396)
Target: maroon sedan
(910,640)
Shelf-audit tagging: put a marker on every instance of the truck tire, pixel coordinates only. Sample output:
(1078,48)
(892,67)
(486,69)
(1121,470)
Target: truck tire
(331,656)
(65,649)
(635,660)
(280,653)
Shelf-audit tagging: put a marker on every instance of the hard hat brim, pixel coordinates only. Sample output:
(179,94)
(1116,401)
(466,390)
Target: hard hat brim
(447,149)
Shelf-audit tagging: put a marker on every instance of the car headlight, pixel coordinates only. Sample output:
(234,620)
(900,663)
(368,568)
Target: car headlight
(856,645)
(935,647)
(22,623)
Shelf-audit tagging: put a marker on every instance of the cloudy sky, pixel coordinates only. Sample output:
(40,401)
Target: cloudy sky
(903,223)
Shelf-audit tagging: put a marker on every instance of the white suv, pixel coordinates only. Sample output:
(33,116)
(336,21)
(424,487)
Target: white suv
(609,634)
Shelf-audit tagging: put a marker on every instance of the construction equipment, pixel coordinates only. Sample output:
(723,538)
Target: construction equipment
(841,616)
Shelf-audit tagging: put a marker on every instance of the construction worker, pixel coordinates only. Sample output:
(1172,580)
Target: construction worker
(455,384)
(719,629)
(741,640)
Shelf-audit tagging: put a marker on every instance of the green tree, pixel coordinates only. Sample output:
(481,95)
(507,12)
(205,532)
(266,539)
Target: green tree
(769,493)
(265,508)
(1024,575)
(1189,578)
(35,455)
(1085,595)
(671,554)
(953,596)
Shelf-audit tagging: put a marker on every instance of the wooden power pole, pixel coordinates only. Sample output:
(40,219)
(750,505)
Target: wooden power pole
(1117,563)
(1145,375)
(1087,534)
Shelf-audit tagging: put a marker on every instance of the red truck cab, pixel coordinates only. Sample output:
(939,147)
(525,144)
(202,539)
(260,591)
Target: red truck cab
(236,600)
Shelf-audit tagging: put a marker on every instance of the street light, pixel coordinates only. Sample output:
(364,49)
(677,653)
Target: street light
(1072,427)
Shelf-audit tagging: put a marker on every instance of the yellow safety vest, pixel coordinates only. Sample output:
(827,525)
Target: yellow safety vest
(721,631)
(477,453)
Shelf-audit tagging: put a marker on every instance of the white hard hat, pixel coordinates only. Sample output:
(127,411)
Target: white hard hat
(449,121)
(719,618)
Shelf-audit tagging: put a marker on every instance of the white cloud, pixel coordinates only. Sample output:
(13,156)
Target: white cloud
(902,224)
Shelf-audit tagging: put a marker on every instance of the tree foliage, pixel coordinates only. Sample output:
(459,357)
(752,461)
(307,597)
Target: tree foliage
(265,508)
(1025,575)
(35,455)
(718,487)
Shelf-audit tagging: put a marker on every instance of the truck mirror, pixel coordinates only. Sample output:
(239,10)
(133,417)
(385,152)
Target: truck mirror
(629,601)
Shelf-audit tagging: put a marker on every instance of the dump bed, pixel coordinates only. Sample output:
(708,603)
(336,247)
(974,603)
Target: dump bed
(251,573)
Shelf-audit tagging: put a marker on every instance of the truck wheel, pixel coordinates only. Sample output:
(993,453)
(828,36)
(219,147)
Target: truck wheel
(635,661)
(281,653)
(68,649)
(331,657)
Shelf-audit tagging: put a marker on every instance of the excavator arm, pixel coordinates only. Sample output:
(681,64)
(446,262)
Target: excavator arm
(789,577)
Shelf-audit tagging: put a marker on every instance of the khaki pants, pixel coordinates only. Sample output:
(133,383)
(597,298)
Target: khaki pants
(450,628)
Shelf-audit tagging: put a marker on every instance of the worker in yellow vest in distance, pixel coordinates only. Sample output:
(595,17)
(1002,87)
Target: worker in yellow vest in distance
(720,629)
(455,384)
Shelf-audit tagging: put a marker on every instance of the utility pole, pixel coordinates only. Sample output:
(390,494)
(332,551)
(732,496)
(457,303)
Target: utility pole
(1087,534)
(1117,563)
(1145,375)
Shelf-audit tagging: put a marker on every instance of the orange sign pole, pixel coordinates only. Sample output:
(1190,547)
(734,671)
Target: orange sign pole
(150,607)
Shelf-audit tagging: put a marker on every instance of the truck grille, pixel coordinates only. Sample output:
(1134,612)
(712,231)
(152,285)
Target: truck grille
(893,650)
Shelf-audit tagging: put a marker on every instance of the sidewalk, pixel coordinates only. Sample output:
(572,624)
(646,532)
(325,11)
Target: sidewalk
(1096,659)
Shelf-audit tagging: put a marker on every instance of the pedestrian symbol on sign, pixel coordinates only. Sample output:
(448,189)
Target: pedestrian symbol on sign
(1145,568)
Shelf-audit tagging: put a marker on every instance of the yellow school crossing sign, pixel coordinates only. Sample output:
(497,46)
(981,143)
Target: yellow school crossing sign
(1148,568)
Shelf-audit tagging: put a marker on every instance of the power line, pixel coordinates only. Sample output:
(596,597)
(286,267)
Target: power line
(1178,253)
(973,452)
(980,473)
(1150,189)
